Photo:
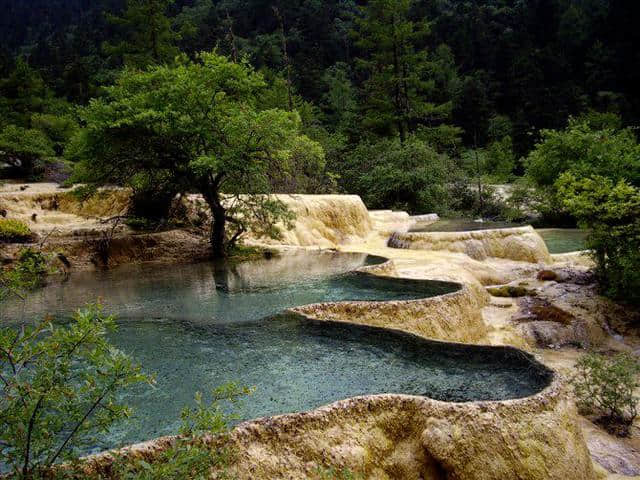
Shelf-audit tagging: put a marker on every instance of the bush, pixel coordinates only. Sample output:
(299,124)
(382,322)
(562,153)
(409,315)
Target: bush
(200,446)
(604,386)
(60,386)
(27,274)
(611,212)
(13,231)
(22,148)
(587,147)
(410,176)
(584,151)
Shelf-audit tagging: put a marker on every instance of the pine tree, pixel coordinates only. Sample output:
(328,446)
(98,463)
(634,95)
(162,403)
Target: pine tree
(147,34)
(396,67)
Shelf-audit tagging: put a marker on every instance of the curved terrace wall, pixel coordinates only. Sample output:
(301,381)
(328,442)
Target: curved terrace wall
(454,317)
(520,244)
(405,437)
(408,437)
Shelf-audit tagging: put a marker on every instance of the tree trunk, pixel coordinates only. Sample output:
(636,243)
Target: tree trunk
(217,234)
(218,231)
(478,172)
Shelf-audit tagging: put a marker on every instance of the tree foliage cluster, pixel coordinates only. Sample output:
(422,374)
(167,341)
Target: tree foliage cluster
(501,71)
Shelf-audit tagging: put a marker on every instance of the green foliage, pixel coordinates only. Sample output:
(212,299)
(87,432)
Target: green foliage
(146,32)
(13,230)
(581,151)
(611,211)
(444,138)
(197,124)
(60,387)
(399,76)
(499,161)
(22,92)
(21,147)
(29,273)
(410,176)
(339,100)
(584,151)
(275,95)
(605,385)
(60,129)
(200,447)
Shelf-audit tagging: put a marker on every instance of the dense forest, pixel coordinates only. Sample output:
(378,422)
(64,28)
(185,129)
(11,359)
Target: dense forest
(482,74)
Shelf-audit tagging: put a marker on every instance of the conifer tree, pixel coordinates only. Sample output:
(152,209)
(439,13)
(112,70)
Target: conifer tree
(147,37)
(396,67)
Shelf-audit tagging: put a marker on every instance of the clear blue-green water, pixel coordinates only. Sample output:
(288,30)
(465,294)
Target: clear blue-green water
(199,326)
(558,240)
(564,240)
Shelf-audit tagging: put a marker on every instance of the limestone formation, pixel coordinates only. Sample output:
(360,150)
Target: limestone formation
(455,317)
(519,244)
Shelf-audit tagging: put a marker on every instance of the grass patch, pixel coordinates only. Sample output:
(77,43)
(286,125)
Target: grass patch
(14,231)
(243,253)
(510,291)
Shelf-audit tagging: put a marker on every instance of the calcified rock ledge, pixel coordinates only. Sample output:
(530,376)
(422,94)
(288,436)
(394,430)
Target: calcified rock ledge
(409,437)
(519,244)
(454,317)
(403,437)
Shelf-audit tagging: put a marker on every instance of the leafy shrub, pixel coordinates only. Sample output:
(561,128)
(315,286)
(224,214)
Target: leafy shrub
(584,151)
(200,446)
(604,386)
(499,160)
(60,386)
(410,176)
(27,274)
(586,148)
(21,148)
(13,230)
(611,212)
(59,128)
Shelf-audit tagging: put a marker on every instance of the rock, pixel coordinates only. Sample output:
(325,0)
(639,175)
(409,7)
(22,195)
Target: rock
(519,244)
(614,454)
(547,275)
(510,291)
(545,334)
(537,309)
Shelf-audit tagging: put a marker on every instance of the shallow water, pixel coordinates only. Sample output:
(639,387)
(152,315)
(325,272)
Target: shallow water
(564,240)
(199,326)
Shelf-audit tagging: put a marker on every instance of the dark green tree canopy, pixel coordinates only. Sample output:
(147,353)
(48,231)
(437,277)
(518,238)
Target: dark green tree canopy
(398,78)
(147,37)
